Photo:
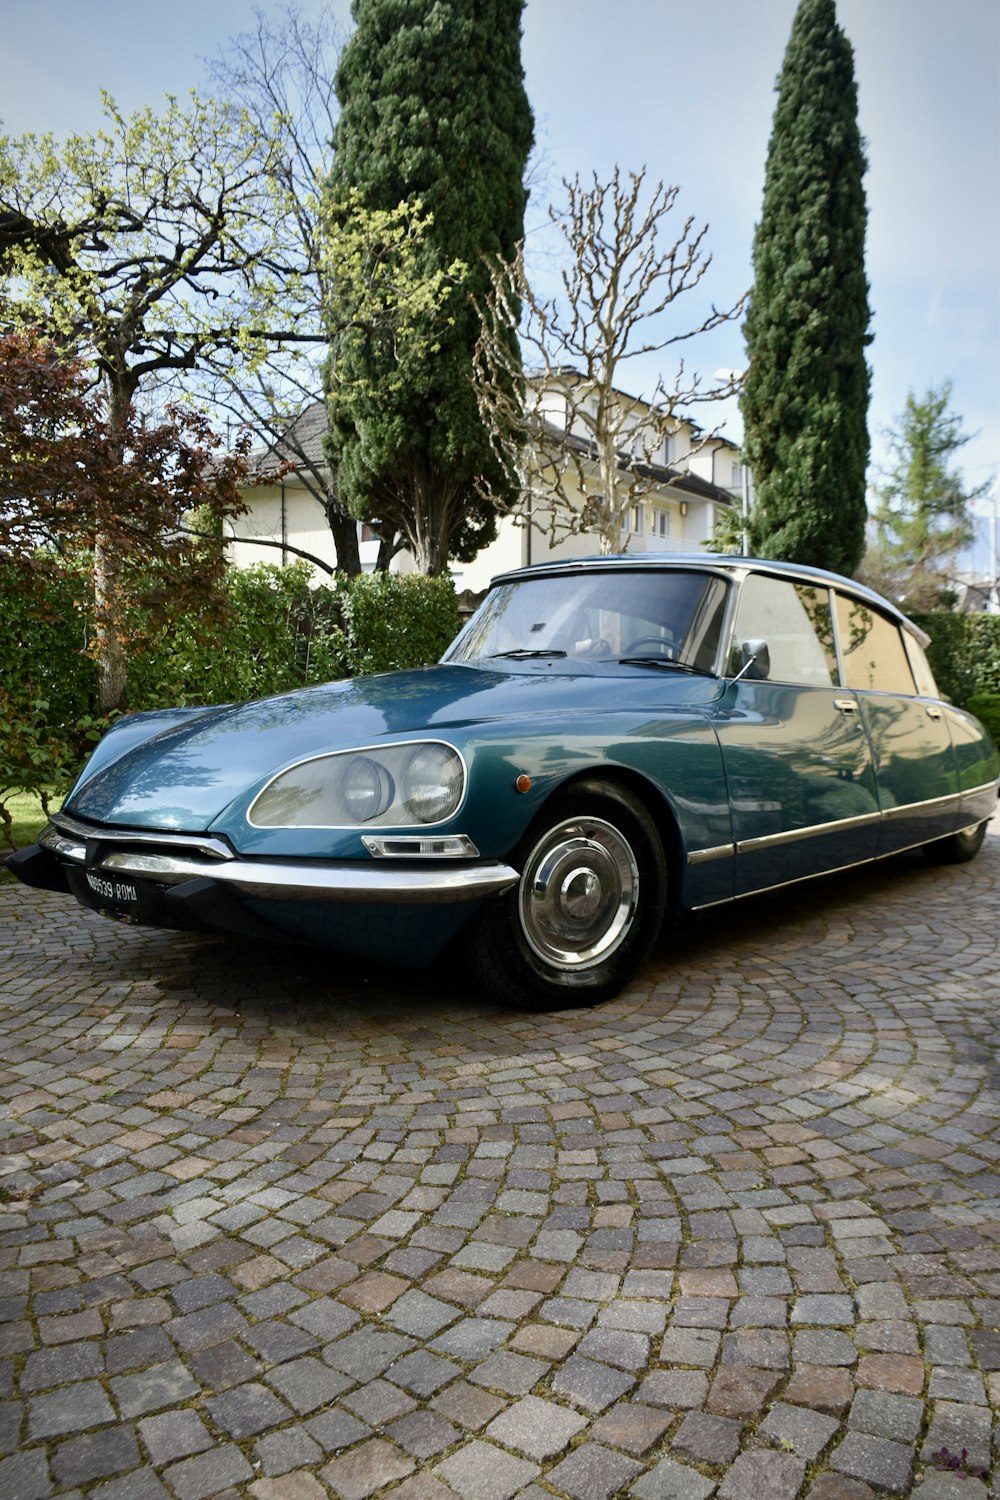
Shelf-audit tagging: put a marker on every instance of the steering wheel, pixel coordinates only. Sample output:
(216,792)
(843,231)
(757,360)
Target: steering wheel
(595,646)
(667,647)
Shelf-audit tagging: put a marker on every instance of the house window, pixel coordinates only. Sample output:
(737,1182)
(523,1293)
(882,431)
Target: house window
(736,477)
(669,449)
(367,534)
(661,523)
(635,520)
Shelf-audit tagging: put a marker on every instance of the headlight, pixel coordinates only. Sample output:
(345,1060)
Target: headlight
(366,788)
(432,786)
(390,785)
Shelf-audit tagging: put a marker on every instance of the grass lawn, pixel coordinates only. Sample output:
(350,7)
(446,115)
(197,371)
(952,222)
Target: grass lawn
(26,811)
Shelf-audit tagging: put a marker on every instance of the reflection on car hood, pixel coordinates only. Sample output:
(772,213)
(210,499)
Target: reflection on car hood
(184,777)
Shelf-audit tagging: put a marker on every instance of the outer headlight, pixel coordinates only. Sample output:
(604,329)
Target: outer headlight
(387,785)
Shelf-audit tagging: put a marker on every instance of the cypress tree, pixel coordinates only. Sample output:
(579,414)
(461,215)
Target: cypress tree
(433,108)
(805,397)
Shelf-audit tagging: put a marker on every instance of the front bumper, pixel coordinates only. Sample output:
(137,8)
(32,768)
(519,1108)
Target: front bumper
(171,860)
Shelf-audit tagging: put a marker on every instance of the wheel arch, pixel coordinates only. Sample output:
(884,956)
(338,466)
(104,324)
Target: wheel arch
(653,801)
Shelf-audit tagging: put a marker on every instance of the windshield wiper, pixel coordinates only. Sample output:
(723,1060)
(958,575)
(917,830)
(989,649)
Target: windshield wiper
(524,653)
(664,663)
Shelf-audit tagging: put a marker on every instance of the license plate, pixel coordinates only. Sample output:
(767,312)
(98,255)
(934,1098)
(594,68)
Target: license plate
(113,892)
(116,895)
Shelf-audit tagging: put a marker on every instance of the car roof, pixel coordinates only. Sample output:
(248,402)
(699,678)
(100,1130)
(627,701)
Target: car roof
(721,564)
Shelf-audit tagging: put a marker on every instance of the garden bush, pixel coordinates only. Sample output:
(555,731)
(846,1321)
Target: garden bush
(964,653)
(986,707)
(270,632)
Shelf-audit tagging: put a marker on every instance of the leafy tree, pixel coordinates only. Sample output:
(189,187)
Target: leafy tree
(119,246)
(72,480)
(805,396)
(622,275)
(923,515)
(433,111)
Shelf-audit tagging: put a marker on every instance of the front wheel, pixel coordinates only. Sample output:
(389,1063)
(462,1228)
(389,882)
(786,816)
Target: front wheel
(956,848)
(587,908)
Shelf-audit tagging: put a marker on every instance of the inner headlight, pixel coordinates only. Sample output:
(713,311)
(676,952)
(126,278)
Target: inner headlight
(432,786)
(387,785)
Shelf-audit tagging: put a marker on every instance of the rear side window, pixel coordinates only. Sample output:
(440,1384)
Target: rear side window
(924,677)
(872,649)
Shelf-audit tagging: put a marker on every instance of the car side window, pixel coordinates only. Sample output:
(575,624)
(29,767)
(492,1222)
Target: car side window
(923,676)
(872,649)
(793,620)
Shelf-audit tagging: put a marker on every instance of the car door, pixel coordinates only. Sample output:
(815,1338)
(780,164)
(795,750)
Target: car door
(915,765)
(796,755)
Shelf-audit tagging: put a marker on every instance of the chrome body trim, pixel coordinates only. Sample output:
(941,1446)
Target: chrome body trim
(796,835)
(906,808)
(75,836)
(706,856)
(343,881)
(981,790)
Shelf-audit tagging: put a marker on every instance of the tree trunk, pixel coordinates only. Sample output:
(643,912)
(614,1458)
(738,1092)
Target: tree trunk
(344,530)
(109,601)
(112,676)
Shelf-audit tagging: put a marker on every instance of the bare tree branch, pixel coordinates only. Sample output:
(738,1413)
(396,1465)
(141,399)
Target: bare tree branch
(581,452)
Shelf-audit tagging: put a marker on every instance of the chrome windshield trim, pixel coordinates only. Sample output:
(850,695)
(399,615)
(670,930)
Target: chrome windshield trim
(346,881)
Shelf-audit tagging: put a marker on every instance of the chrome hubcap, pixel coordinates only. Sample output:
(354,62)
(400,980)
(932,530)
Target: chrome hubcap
(578,893)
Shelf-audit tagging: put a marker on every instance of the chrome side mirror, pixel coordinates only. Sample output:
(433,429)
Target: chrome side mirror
(755,661)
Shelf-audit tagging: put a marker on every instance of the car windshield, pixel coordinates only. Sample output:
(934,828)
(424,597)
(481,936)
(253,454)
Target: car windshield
(666,617)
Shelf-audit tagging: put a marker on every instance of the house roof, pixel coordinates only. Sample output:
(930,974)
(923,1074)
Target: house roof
(302,445)
(682,480)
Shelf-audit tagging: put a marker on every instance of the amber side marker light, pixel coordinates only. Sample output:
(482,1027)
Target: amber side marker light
(523,784)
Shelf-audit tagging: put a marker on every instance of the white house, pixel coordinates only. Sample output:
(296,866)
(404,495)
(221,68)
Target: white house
(691,480)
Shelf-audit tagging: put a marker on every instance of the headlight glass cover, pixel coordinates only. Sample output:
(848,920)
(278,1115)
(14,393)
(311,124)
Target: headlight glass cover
(399,786)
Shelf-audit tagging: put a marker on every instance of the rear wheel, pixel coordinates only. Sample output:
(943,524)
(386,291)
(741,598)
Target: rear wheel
(587,908)
(956,848)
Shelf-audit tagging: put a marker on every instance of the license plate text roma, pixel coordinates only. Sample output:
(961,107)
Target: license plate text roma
(112,890)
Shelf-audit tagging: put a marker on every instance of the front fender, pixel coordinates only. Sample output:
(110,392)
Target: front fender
(673,763)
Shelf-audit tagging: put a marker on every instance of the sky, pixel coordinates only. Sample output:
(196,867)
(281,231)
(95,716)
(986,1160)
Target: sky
(685,90)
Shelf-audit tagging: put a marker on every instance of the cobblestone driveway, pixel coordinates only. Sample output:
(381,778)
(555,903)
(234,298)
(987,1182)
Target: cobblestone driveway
(273,1227)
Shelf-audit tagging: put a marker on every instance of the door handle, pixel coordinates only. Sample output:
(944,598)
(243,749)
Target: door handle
(846,705)
(932,712)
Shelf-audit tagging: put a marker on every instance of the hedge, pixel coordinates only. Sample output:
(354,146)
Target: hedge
(274,633)
(964,653)
(269,633)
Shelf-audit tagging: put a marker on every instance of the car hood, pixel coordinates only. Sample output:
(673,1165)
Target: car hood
(186,776)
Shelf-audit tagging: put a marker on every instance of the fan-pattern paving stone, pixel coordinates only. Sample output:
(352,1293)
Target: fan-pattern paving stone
(274,1225)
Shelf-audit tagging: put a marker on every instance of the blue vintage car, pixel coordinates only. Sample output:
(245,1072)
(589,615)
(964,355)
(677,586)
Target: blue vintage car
(606,744)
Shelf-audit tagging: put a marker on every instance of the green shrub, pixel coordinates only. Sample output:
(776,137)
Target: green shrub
(964,653)
(271,632)
(394,620)
(257,643)
(986,707)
